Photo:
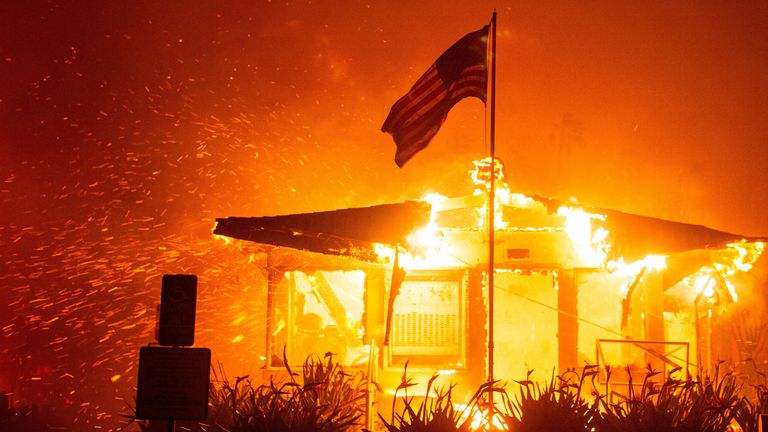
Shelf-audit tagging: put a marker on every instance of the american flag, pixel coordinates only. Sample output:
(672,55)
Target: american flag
(459,72)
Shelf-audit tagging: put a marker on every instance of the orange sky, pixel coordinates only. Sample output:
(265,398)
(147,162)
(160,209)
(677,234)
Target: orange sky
(127,127)
(656,108)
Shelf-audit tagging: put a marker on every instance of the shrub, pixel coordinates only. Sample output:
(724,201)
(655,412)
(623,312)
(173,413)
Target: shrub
(322,398)
(709,404)
(548,407)
(326,399)
(435,412)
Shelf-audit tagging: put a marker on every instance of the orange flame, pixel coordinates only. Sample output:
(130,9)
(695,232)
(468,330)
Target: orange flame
(481,177)
(590,244)
(708,278)
(650,262)
(425,246)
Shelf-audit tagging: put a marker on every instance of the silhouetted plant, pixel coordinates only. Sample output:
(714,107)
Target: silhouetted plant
(322,398)
(746,415)
(435,411)
(557,405)
(325,399)
(709,404)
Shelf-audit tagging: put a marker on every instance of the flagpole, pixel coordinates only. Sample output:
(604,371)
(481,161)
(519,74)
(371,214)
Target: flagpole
(491,220)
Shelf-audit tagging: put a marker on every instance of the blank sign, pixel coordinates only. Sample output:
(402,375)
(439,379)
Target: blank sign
(177,310)
(173,383)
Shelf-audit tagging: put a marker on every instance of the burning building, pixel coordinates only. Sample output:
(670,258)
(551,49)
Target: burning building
(573,285)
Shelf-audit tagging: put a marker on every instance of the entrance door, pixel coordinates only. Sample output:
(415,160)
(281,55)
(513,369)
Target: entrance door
(525,324)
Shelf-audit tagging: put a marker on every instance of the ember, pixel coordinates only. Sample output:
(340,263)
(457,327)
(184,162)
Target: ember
(129,127)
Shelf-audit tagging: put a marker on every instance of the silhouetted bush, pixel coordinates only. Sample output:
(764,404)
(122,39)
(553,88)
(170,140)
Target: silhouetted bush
(435,411)
(322,398)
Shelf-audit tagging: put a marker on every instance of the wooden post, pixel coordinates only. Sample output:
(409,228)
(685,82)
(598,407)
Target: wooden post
(567,324)
(272,281)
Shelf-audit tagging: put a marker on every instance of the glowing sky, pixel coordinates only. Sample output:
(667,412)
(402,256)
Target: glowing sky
(650,107)
(127,127)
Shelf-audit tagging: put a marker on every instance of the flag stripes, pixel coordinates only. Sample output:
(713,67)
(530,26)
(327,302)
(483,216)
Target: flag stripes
(417,116)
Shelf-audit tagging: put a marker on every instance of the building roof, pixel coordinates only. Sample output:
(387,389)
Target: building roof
(351,232)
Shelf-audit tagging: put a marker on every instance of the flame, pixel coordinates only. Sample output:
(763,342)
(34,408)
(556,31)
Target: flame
(425,249)
(225,239)
(425,246)
(731,290)
(591,245)
(746,255)
(481,175)
(480,418)
(619,268)
(523,201)
(707,279)
(434,199)
(481,178)
(649,263)
(704,284)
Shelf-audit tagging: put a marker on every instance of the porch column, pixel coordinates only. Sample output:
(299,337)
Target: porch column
(567,323)
(273,278)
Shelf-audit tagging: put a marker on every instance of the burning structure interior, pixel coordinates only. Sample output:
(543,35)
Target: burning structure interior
(407,282)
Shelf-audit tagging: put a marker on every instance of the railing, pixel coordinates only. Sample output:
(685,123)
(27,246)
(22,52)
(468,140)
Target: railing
(632,360)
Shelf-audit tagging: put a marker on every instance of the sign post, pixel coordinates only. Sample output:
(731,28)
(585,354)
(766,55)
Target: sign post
(174,381)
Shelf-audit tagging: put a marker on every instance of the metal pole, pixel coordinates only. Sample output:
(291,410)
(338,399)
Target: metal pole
(171,425)
(491,217)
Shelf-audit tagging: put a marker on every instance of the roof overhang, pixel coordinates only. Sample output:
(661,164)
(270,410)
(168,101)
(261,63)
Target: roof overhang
(346,232)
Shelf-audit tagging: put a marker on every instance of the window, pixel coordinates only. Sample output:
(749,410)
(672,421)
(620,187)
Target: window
(428,319)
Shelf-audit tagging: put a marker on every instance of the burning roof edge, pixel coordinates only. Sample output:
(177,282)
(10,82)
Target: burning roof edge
(635,236)
(350,232)
(346,232)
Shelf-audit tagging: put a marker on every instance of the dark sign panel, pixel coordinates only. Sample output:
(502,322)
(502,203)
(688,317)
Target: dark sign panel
(173,383)
(177,310)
